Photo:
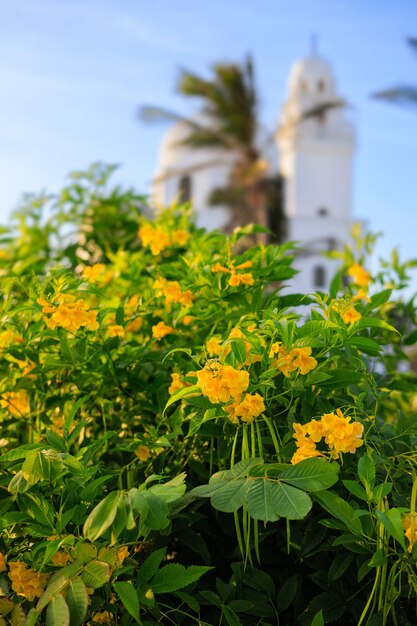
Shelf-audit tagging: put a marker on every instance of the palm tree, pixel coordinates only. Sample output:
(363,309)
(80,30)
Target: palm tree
(230,114)
(405,95)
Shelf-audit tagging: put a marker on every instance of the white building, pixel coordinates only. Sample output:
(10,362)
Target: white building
(314,149)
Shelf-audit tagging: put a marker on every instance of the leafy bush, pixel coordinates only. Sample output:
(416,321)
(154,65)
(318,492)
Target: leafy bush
(180,445)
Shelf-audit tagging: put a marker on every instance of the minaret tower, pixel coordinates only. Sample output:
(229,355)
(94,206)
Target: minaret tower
(316,142)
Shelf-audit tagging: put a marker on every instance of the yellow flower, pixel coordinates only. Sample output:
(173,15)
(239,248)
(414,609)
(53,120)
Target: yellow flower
(10,336)
(360,276)
(251,406)
(302,360)
(235,279)
(338,431)
(97,273)
(16,402)
(143,453)
(70,314)
(351,316)
(155,238)
(220,383)
(116,331)
(171,290)
(180,237)
(161,330)
(25,581)
(3,567)
(361,295)
(176,383)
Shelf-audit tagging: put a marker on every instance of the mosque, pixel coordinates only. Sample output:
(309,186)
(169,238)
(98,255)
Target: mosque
(313,152)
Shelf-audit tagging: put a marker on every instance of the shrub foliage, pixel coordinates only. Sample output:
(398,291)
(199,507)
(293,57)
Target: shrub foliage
(180,445)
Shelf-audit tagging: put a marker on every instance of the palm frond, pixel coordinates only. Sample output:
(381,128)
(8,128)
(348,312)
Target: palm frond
(156,114)
(319,110)
(402,94)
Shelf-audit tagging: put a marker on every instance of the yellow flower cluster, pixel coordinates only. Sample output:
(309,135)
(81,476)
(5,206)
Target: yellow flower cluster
(115,330)
(97,273)
(247,409)
(339,433)
(25,581)
(172,292)
(16,402)
(245,278)
(157,239)
(176,383)
(215,346)
(69,313)
(347,312)
(359,275)
(3,566)
(10,336)
(290,361)
(220,383)
(161,330)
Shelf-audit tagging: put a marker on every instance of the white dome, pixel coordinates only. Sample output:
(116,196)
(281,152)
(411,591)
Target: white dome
(310,75)
(174,154)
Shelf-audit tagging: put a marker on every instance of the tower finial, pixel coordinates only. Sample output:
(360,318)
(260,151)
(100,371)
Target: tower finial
(313,44)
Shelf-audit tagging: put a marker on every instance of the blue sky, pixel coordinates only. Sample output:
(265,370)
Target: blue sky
(73,73)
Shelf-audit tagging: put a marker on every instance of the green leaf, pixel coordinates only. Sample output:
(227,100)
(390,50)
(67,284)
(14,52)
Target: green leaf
(129,597)
(153,510)
(175,576)
(150,566)
(239,470)
(171,490)
(369,346)
(339,565)
(356,489)
(340,509)
(287,593)
(231,496)
(371,322)
(53,589)
(342,378)
(380,557)
(96,574)
(31,618)
(17,617)
(238,349)
(77,600)
(391,520)
(102,516)
(366,471)
(261,502)
(269,500)
(57,613)
(41,465)
(318,619)
(312,474)
(381,298)
(182,393)
(71,415)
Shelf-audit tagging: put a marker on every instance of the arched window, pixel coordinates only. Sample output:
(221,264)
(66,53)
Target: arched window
(184,189)
(319,277)
(321,85)
(323,211)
